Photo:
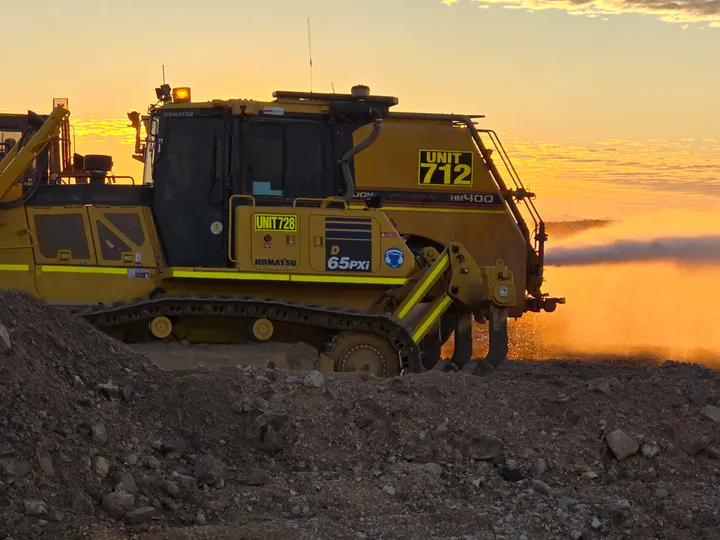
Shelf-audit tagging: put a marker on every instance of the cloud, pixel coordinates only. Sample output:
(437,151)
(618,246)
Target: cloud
(96,129)
(675,11)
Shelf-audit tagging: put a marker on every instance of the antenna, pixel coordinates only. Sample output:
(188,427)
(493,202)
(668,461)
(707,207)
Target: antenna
(310,55)
(163,68)
(333,86)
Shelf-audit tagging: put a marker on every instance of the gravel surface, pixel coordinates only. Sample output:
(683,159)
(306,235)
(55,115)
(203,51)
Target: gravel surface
(98,443)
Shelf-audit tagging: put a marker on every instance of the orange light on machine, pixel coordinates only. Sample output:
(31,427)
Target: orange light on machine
(60,102)
(181,95)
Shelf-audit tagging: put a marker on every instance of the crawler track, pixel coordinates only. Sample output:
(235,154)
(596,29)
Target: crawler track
(145,309)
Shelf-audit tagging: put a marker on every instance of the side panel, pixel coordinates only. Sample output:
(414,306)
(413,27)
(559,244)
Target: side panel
(82,258)
(340,245)
(410,163)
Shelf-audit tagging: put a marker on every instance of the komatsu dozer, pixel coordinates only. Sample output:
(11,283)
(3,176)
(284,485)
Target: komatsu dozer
(433,175)
(207,251)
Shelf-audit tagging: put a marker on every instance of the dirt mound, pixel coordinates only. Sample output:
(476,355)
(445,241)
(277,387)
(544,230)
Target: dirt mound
(98,444)
(62,388)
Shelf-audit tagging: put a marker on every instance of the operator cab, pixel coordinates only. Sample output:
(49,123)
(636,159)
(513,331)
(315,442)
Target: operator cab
(202,156)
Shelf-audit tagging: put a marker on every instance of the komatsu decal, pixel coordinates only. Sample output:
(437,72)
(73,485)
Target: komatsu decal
(275,262)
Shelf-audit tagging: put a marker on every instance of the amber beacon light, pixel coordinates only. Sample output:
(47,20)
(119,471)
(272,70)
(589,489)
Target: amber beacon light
(181,95)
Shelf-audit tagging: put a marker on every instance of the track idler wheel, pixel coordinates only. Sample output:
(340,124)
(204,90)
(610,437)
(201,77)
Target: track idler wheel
(363,353)
(462,357)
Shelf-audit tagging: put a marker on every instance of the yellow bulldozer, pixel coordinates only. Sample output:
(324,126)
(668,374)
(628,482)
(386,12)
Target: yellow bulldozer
(247,227)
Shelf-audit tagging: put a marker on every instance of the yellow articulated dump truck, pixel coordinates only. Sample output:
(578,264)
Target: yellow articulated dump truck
(246,227)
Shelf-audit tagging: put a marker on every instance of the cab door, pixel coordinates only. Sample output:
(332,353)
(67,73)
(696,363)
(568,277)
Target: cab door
(190,192)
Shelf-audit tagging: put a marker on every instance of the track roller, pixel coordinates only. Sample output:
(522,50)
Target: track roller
(160,327)
(261,329)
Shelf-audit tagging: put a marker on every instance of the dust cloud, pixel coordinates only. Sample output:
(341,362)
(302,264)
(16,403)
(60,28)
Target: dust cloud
(642,286)
(703,249)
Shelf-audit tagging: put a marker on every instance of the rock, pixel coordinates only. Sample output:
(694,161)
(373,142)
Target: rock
(650,450)
(596,523)
(698,398)
(16,468)
(712,412)
(82,503)
(661,493)
(171,488)
(46,464)
(400,385)
(589,475)
(267,429)
(484,447)
(6,450)
(647,386)
(5,343)
(434,469)
(108,389)
(600,384)
(619,511)
(139,515)
(126,483)
(541,487)
(100,466)
(55,515)
(389,490)
(511,475)
(621,444)
(314,379)
(539,467)
(255,477)
(693,445)
(99,434)
(153,463)
(209,470)
(441,429)
(117,503)
(575,535)
(186,481)
(175,445)
(200,518)
(34,508)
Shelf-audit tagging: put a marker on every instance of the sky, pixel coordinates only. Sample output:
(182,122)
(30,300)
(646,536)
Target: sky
(607,108)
